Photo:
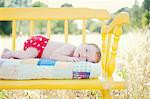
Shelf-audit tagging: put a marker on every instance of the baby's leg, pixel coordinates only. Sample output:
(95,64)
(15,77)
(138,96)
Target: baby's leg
(29,53)
(4,53)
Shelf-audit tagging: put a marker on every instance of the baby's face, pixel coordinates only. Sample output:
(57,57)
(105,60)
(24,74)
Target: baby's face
(86,52)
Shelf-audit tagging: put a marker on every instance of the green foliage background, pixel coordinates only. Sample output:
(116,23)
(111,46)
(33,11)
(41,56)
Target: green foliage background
(139,19)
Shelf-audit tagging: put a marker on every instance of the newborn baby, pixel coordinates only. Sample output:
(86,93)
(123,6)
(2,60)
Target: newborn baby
(41,47)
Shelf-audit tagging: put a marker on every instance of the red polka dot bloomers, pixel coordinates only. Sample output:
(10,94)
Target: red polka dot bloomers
(39,42)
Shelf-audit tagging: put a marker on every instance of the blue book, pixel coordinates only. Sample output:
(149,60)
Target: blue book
(46,62)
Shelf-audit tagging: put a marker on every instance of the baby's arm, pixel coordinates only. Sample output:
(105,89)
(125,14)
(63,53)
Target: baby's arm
(64,58)
(63,54)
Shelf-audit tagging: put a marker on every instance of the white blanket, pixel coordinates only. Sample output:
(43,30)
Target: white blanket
(47,69)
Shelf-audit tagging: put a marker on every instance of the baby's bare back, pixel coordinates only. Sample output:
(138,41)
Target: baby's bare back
(57,47)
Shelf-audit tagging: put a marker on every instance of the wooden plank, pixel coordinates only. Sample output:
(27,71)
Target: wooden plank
(66,30)
(13,34)
(58,84)
(31,28)
(48,29)
(52,13)
(84,32)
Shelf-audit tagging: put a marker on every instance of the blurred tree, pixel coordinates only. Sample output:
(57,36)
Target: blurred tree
(66,5)
(146,19)
(124,9)
(146,5)
(40,23)
(1,3)
(39,4)
(58,25)
(93,26)
(136,16)
(146,14)
(5,3)
(5,26)
(73,28)
(20,3)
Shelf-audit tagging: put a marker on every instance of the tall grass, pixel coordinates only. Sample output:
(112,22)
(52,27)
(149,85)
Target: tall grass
(135,65)
(137,62)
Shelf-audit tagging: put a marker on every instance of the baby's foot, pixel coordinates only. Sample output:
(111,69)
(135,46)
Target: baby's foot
(6,53)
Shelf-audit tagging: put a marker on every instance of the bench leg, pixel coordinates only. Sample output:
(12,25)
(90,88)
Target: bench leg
(106,94)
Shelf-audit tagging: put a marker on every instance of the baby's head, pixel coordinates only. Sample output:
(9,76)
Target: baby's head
(88,52)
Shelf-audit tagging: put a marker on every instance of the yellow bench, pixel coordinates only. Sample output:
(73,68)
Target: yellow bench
(109,46)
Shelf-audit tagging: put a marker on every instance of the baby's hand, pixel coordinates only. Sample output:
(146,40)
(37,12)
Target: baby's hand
(75,59)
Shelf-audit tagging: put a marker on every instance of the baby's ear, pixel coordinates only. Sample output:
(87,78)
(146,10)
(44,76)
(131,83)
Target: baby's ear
(99,54)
